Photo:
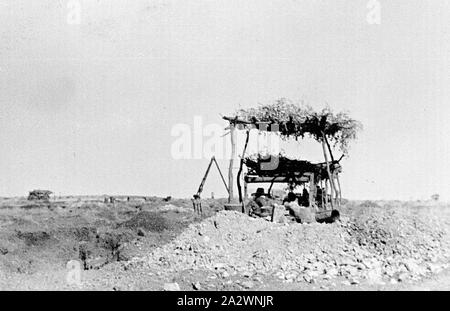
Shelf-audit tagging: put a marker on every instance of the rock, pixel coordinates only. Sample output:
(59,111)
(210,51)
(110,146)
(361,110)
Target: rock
(374,276)
(196,285)
(349,271)
(434,268)
(332,272)
(140,232)
(291,276)
(247,274)
(413,267)
(247,284)
(171,287)
(219,266)
(402,277)
(319,267)
(3,250)
(308,279)
(224,274)
(393,281)
(347,262)
(310,258)
(313,273)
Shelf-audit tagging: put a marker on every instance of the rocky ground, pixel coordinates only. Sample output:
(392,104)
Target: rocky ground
(165,246)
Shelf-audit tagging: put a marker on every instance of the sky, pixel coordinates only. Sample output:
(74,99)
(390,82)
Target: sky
(94,94)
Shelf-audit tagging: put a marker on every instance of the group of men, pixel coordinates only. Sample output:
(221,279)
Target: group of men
(262,205)
(298,206)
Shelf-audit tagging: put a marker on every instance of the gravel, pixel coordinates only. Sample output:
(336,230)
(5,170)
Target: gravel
(370,243)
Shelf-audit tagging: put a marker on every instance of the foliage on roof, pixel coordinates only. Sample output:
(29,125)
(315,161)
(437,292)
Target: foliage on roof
(282,165)
(297,120)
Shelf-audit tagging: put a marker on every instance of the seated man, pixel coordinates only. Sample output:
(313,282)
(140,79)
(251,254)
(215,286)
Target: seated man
(291,197)
(292,201)
(292,206)
(304,199)
(319,196)
(260,206)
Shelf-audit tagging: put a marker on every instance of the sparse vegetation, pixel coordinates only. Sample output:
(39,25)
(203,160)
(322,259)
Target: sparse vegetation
(298,120)
(110,244)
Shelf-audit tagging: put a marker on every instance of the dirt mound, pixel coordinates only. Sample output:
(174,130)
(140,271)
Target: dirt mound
(34,238)
(391,232)
(239,242)
(380,245)
(35,206)
(107,246)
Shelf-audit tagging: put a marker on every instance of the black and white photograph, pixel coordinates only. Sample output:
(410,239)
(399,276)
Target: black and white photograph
(234,147)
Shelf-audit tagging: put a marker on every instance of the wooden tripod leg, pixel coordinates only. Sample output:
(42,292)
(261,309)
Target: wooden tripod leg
(312,190)
(323,199)
(245,189)
(339,197)
(230,168)
(328,170)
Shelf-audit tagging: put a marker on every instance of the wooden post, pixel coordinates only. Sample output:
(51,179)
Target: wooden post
(240,170)
(339,185)
(328,169)
(312,190)
(333,184)
(271,185)
(329,148)
(336,189)
(322,189)
(230,169)
(245,189)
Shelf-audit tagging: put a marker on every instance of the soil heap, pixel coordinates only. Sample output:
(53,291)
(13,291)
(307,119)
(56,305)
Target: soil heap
(368,243)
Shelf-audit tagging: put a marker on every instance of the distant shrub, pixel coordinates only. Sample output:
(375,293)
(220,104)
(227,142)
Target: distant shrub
(435,197)
(38,195)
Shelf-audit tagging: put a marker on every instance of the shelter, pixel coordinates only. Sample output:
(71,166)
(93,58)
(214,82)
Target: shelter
(292,121)
(38,195)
